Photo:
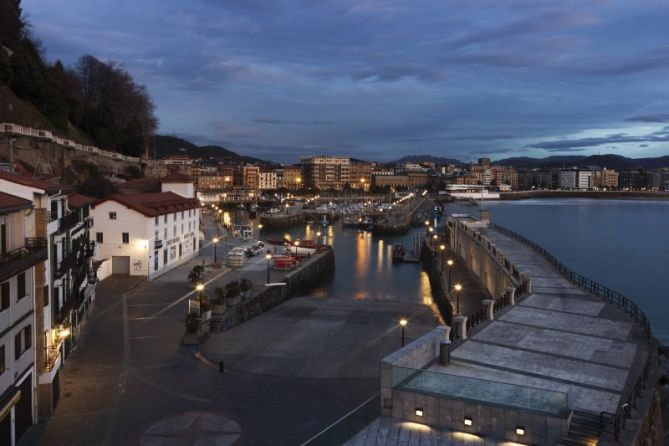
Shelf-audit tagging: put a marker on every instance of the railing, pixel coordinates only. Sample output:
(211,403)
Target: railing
(350,424)
(622,302)
(474,319)
(13,262)
(15,129)
(68,221)
(624,412)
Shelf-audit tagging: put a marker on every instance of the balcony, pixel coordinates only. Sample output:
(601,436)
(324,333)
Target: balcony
(68,221)
(14,262)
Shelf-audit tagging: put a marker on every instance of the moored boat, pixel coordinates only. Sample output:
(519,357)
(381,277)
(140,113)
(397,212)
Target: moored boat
(398,252)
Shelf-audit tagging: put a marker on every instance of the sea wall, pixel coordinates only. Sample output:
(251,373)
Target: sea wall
(604,194)
(492,269)
(313,272)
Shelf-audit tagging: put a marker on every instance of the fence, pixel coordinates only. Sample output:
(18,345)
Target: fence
(15,129)
(350,424)
(599,290)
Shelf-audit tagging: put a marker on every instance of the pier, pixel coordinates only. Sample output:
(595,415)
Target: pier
(552,358)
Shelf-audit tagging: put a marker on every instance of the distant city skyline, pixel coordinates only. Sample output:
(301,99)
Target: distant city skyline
(379,80)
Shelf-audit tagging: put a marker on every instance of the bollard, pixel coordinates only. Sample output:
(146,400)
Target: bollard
(221,366)
(445,352)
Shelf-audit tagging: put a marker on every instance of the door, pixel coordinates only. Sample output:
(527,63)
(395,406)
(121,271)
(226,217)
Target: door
(121,265)
(23,409)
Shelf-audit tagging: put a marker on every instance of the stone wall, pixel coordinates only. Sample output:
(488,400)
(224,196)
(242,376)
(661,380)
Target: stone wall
(52,158)
(299,281)
(492,269)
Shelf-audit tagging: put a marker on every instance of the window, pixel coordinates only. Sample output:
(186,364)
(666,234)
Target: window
(165,232)
(182,228)
(125,237)
(21,286)
(98,237)
(174,231)
(23,341)
(4,293)
(112,215)
(165,219)
(3,365)
(156,235)
(182,215)
(156,221)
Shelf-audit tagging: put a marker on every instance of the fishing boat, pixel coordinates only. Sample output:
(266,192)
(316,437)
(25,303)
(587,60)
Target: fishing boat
(398,252)
(349,222)
(284,262)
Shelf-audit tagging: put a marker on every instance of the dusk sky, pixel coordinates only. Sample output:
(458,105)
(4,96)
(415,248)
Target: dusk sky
(280,79)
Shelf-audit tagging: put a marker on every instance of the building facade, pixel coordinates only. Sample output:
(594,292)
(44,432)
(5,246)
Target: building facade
(326,172)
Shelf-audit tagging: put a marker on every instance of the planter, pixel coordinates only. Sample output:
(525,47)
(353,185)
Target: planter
(218,308)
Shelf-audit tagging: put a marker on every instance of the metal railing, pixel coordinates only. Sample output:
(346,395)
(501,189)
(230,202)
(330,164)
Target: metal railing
(349,425)
(12,262)
(622,302)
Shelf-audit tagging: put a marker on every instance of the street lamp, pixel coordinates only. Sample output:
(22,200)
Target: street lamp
(215,256)
(458,289)
(403,323)
(450,267)
(268,256)
(297,243)
(260,231)
(442,248)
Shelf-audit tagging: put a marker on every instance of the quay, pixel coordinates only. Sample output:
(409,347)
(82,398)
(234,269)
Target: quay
(552,358)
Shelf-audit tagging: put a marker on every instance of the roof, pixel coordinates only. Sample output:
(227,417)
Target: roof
(30,181)
(148,184)
(176,177)
(76,200)
(154,204)
(10,203)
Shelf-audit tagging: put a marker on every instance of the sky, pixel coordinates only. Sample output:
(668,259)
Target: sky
(380,79)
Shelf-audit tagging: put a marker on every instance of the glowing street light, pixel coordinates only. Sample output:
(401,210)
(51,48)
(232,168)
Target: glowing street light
(215,240)
(450,267)
(458,289)
(260,231)
(268,256)
(403,323)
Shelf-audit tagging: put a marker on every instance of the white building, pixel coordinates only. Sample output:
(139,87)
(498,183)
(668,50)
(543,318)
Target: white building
(20,255)
(147,234)
(584,179)
(65,284)
(267,180)
(567,179)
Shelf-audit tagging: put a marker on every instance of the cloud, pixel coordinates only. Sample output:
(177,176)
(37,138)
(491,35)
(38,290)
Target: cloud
(226,130)
(492,151)
(654,59)
(566,145)
(392,73)
(654,118)
(274,121)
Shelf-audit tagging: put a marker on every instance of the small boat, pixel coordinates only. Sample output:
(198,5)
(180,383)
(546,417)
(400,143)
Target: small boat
(324,222)
(284,262)
(310,221)
(398,252)
(349,222)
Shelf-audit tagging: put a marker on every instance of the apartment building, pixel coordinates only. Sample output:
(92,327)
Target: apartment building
(326,172)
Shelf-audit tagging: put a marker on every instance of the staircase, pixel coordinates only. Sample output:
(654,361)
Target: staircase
(584,430)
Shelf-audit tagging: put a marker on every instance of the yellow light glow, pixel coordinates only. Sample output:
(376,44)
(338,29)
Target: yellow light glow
(450,262)
(410,426)
(458,287)
(442,247)
(419,412)
(403,322)
(468,421)
(520,430)
(63,333)
(268,256)
(199,287)
(215,240)
(260,226)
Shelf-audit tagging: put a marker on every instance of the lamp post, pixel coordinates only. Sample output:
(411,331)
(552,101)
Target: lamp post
(458,289)
(297,243)
(450,267)
(215,256)
(268,256)
(442,248)
(403,323)
(259,231)
(199,288)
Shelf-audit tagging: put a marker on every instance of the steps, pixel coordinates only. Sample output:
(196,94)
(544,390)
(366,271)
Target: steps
(584,430)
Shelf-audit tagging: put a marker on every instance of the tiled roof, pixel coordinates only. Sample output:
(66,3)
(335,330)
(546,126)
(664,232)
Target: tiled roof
(10,203)
(30,181)
(176,178)
(154,204)
(76,200)
(148,184)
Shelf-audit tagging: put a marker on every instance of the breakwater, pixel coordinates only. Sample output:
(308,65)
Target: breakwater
(612,194)
(311,273)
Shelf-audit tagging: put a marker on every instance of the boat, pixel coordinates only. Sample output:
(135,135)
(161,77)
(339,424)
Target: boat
(277,241)
(349,222)
(284,262)
(324,222)
(398,252)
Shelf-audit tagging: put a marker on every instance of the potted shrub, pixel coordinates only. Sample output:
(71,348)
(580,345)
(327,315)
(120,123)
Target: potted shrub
(205,308)
(192,328)
(195,275)
(218,304)
(233,291)
(245,285)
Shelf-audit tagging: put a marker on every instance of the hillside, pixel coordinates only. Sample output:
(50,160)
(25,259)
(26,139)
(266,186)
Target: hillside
(163,145)
(610,161)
